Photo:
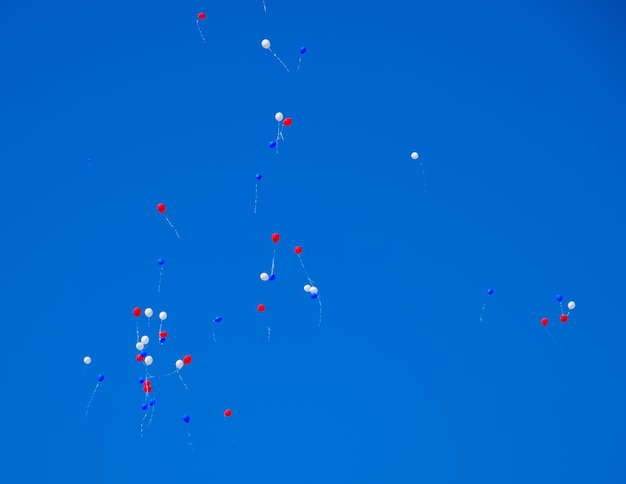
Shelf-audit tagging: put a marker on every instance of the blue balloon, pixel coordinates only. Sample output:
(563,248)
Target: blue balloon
(218,319)
(559,297)
(272,277)
(144,354)
(160,261)
(490,291)
(152,402)
(100,377)
(314,296)
(186,418)
(162,340)
(258,176)
(144,406)
(141,380)
(302,50)
(273,144)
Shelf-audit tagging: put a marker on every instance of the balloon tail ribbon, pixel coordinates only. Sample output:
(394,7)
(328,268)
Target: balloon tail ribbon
(200,30)
(319,323)
(256,195)
(264,7)
(273,261)
(160,277)
(269,333)
(311,282)
(279,60)
(552,337)
(482,312)
(182,381)
(299,62)
(176,231)
(91,399)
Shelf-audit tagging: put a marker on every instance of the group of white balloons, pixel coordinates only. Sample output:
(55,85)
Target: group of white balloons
(149,313)
(141,344)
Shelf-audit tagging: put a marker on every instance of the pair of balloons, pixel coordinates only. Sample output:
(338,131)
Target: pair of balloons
(286,121)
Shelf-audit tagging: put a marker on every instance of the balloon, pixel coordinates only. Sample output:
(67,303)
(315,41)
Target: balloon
(87,360)
(265,43)
(302,50)
(275,238)
(307,288)
(139,346)
(218,319)
(228,412)
(148,312)
(137,312)
(186,418)
(261,308)
(258,176)
(161,207)
(145,340)
(141,380)
(313,290)
(490,291)
(144,354)
(571,305)
(559,297)
(544,321)
(264,276)
(186,359)
(161,340)
(272,144)
(162,315)
(287,122)
(278,116)
(144,406)
(201,16)
(272,277)
(163,334)
(314,295)
(160,261)
(148,360)
(564,318)
(139,358)
(152,402)
(414,155)
(297,249)
(100,378)
(179,364)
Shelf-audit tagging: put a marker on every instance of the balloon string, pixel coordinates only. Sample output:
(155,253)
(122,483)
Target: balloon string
(305,272)
(168,221)
(137,329)
(160,277)
(273,260)
(200,30)
(256,195)
(299,62)
(91,399)
(279,60)
(482,312)
(264,7)
(141,427)
(319,300)
(269,332)
(555,341)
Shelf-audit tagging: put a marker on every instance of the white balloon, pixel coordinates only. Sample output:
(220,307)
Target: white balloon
(571,305)
(278,116)
(414,155)
(139,346)
(87,360)
(162,315)
(148,312)
(148,359)
(313,290)
(307,287)
(179,364)
(264,276)
(145,340)
(265,43)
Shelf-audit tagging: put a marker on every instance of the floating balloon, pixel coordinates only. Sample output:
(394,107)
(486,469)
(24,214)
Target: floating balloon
(297,249)
(302,51)
(559,297)
(148,312)
(564,318)
(144,406)
(160,262)
(272,144)
(137,312)
(264,276)
(139,346)
(186,418)
(571,305)
(544,321)
(217,319)
(179,364)
(278,117)
(313,290)
(272,277)
(163,334)
(148,360)
(161,208)
(187,359)
(162,315)
(100,378)
(258,177)
(275,238)
(139,358)
(145,339)
(201,16)
(287,122)
(87,360)
(261,308)
(307,288)
(228,412)
(415,155)
(265,43)
(490,291)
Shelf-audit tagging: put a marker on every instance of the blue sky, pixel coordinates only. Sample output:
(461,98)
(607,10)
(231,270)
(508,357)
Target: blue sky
(517,111)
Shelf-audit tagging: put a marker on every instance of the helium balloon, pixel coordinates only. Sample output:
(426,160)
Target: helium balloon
(144,406)
(571,305)
(160,261)
(273,144)
(559,298)
(100,378)
(162,315)
(144,354)
(287,122)
(275,238)
(272,277)
(490,291)
(145,340)
(264,276)
(228,412)
(152,402)
(148,360)
(161,340)
(137,312)
(544,321)
(313,290)
(186,359)
(297,249)
(218,319)
(415,155)
(201,16)
(139,346)
(564,318)
(186,418)
(314,295)
(307,288)
(278,116)
(148,312)
(139,358)
(261,308)
(258,176)
(179,364)
(265,43)
(163,334)
(303,50)
(161,207)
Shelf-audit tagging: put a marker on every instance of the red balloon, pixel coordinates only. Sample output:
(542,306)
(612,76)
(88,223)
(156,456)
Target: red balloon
(564,318)
(161,207)
(261,307)
(163,334)
(275,238)
(287,122)
(544,321)
(187,359)
(137,312)
(139,358)
(228,412)
(297,249)
(201,16)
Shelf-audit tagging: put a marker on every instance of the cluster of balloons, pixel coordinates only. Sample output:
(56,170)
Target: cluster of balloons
(564,317)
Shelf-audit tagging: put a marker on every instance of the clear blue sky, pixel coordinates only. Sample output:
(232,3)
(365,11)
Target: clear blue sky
(517,111)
